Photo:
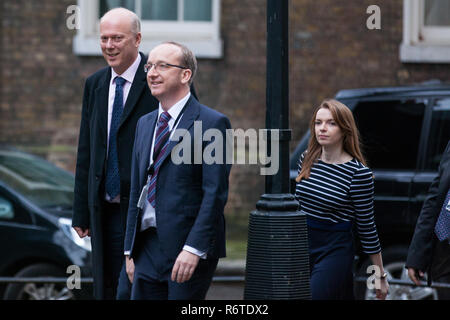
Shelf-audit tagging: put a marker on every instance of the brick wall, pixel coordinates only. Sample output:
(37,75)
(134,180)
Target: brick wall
(330,49)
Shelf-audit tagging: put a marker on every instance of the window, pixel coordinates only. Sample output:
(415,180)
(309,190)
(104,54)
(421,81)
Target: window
(164,10)
(439,133)
(195,23)
(395,144)
(426,31)
(37,180)
(6,209)
(11,211)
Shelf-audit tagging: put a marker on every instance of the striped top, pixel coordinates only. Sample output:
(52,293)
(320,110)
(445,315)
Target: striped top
(341,193)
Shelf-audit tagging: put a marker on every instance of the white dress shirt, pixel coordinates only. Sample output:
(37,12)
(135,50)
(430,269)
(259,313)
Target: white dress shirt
(149,218)
(128,75)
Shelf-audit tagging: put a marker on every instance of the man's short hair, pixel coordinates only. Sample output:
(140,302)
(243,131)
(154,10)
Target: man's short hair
(188,59)
(135,22)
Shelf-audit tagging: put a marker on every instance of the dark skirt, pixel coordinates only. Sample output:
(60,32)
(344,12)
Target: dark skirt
(331,254)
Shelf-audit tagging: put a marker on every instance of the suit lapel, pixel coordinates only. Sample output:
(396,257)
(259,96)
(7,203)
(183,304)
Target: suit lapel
(190,113)
(149,129)
(138,86)
(446,177)
(102,93)
(444,184)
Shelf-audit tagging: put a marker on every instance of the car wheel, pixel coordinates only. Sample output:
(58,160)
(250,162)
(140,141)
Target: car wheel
(394,265)
(39,291)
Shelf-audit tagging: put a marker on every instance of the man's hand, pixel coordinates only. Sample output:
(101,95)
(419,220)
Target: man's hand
(83,232)
(412,273)
(184,266)
(129,266)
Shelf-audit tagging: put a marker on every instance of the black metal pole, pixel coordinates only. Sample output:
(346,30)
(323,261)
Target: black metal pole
(277,265)
(277,91)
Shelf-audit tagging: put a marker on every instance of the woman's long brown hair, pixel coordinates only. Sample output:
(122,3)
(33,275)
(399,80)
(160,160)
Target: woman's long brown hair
(343,116)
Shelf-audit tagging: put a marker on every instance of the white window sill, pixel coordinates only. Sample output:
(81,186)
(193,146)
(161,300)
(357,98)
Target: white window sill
(203,48)
(424,53)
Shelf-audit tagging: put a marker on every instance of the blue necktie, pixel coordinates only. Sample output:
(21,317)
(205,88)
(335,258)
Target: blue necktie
(112,166)
(159,149)
(442,228)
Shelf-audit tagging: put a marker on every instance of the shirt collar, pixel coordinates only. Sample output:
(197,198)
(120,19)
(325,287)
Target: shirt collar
(129,73)
(175,110)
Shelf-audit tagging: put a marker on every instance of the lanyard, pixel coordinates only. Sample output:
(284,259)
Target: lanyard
(151,167)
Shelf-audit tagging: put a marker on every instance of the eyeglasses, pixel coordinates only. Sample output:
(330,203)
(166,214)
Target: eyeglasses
(161,66)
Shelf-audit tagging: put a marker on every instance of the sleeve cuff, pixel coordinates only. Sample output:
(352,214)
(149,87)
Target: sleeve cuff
(201,254)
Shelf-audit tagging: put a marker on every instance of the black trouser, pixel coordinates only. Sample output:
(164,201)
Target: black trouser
(113,239)
(440,269)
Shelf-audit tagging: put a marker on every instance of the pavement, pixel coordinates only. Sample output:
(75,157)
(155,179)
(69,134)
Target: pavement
(230,267)
(228,281)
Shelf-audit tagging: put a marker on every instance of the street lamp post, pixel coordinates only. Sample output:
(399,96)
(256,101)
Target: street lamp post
(277,265)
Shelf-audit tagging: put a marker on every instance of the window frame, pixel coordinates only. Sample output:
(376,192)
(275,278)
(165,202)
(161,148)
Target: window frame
(422,44)
(203,38)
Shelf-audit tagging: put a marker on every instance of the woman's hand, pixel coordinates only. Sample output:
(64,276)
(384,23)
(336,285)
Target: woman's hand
(383,290)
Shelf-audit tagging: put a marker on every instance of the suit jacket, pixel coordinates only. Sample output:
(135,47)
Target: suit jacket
(190,198)
(91,157)
(420,254)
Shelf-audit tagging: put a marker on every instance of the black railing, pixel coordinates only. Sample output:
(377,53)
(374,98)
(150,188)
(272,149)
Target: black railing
(435,285)
(90,280)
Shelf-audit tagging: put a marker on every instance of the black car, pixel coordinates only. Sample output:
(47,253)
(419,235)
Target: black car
(36,237)
(404,132)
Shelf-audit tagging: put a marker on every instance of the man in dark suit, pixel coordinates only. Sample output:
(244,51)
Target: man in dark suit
(176,227)
(114,99)
(430,248)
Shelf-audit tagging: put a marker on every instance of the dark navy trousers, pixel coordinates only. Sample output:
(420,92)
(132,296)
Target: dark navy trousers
(113,254)
(331,260)
(153,270)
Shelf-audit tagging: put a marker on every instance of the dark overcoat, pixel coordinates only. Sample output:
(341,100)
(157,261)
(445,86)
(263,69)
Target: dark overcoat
(421,249)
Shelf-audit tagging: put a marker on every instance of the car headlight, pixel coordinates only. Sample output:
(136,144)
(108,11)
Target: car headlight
(66,227)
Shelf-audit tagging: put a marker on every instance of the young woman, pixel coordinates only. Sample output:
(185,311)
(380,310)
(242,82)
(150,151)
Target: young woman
(335,189)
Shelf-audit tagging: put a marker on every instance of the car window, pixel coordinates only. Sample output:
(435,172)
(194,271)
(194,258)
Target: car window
(390,132)
(439,133)
(36,179)
(11,211)
(6,209)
